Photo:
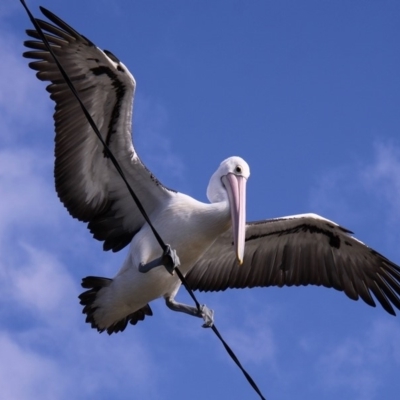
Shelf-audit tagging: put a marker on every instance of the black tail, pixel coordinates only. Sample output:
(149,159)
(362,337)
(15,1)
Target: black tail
(87,298)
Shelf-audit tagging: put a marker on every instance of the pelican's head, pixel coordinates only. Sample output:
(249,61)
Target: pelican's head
(228,183)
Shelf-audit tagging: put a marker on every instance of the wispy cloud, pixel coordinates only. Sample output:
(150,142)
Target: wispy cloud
(42,284)
(376,181)
(360,365)
(250,334)
(382,177)
(25,189)
(24,374)
(150,123)
(254,340)
(23,103)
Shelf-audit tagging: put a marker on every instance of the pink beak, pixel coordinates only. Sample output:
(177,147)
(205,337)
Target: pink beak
(236,188)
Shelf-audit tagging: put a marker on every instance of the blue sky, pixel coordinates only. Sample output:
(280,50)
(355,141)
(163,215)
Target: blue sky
(308,93)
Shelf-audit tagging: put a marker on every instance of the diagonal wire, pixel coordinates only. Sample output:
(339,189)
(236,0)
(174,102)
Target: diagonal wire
(216,331)
(166,248)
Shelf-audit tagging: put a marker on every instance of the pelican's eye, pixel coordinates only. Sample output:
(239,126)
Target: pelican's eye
(238,169)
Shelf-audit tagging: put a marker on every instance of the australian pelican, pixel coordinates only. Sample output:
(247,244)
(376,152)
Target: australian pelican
(297,250)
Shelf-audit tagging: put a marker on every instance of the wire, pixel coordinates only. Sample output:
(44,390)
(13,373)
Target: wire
(169,255)
(216,331)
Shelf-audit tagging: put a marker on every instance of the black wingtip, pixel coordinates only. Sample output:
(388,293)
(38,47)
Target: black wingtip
(44,10)
(63,25)
(48,14)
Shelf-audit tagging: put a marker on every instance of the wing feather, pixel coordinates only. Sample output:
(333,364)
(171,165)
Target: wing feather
(86,181)
(300,250)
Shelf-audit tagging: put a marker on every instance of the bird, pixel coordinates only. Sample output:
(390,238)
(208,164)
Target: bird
(216,247)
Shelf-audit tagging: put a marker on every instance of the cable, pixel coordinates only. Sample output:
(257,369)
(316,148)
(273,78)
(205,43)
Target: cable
(216,331)
(169,256)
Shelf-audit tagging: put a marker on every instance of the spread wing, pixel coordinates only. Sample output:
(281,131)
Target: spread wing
(86,180)
(300,250)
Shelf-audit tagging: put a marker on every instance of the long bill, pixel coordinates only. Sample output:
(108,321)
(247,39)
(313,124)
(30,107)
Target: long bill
(236,188)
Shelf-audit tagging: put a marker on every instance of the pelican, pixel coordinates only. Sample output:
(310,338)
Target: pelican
(216,248)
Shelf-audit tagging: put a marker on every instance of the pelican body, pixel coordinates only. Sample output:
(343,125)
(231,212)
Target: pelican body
(126,297)
(211,240)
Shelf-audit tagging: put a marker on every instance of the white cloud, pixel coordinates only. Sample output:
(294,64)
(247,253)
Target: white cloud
(254,340)
(337,194)
(43,285)
(382,177)
(333,192)
(150,122)
(27,197)
(361,365)
(23,101)
(27,375)
(249,334)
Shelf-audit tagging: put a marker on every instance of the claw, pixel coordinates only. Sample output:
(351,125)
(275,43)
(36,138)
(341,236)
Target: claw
(208,315)
(169,260)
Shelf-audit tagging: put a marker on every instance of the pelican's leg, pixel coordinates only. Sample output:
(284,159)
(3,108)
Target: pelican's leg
(169,260)
(206,313)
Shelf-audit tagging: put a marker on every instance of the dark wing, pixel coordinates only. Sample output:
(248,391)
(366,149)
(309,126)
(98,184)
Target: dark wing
(300,250)
(86,181)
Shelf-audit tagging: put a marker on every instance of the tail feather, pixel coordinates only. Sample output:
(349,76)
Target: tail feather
(87,299)
(95,282)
